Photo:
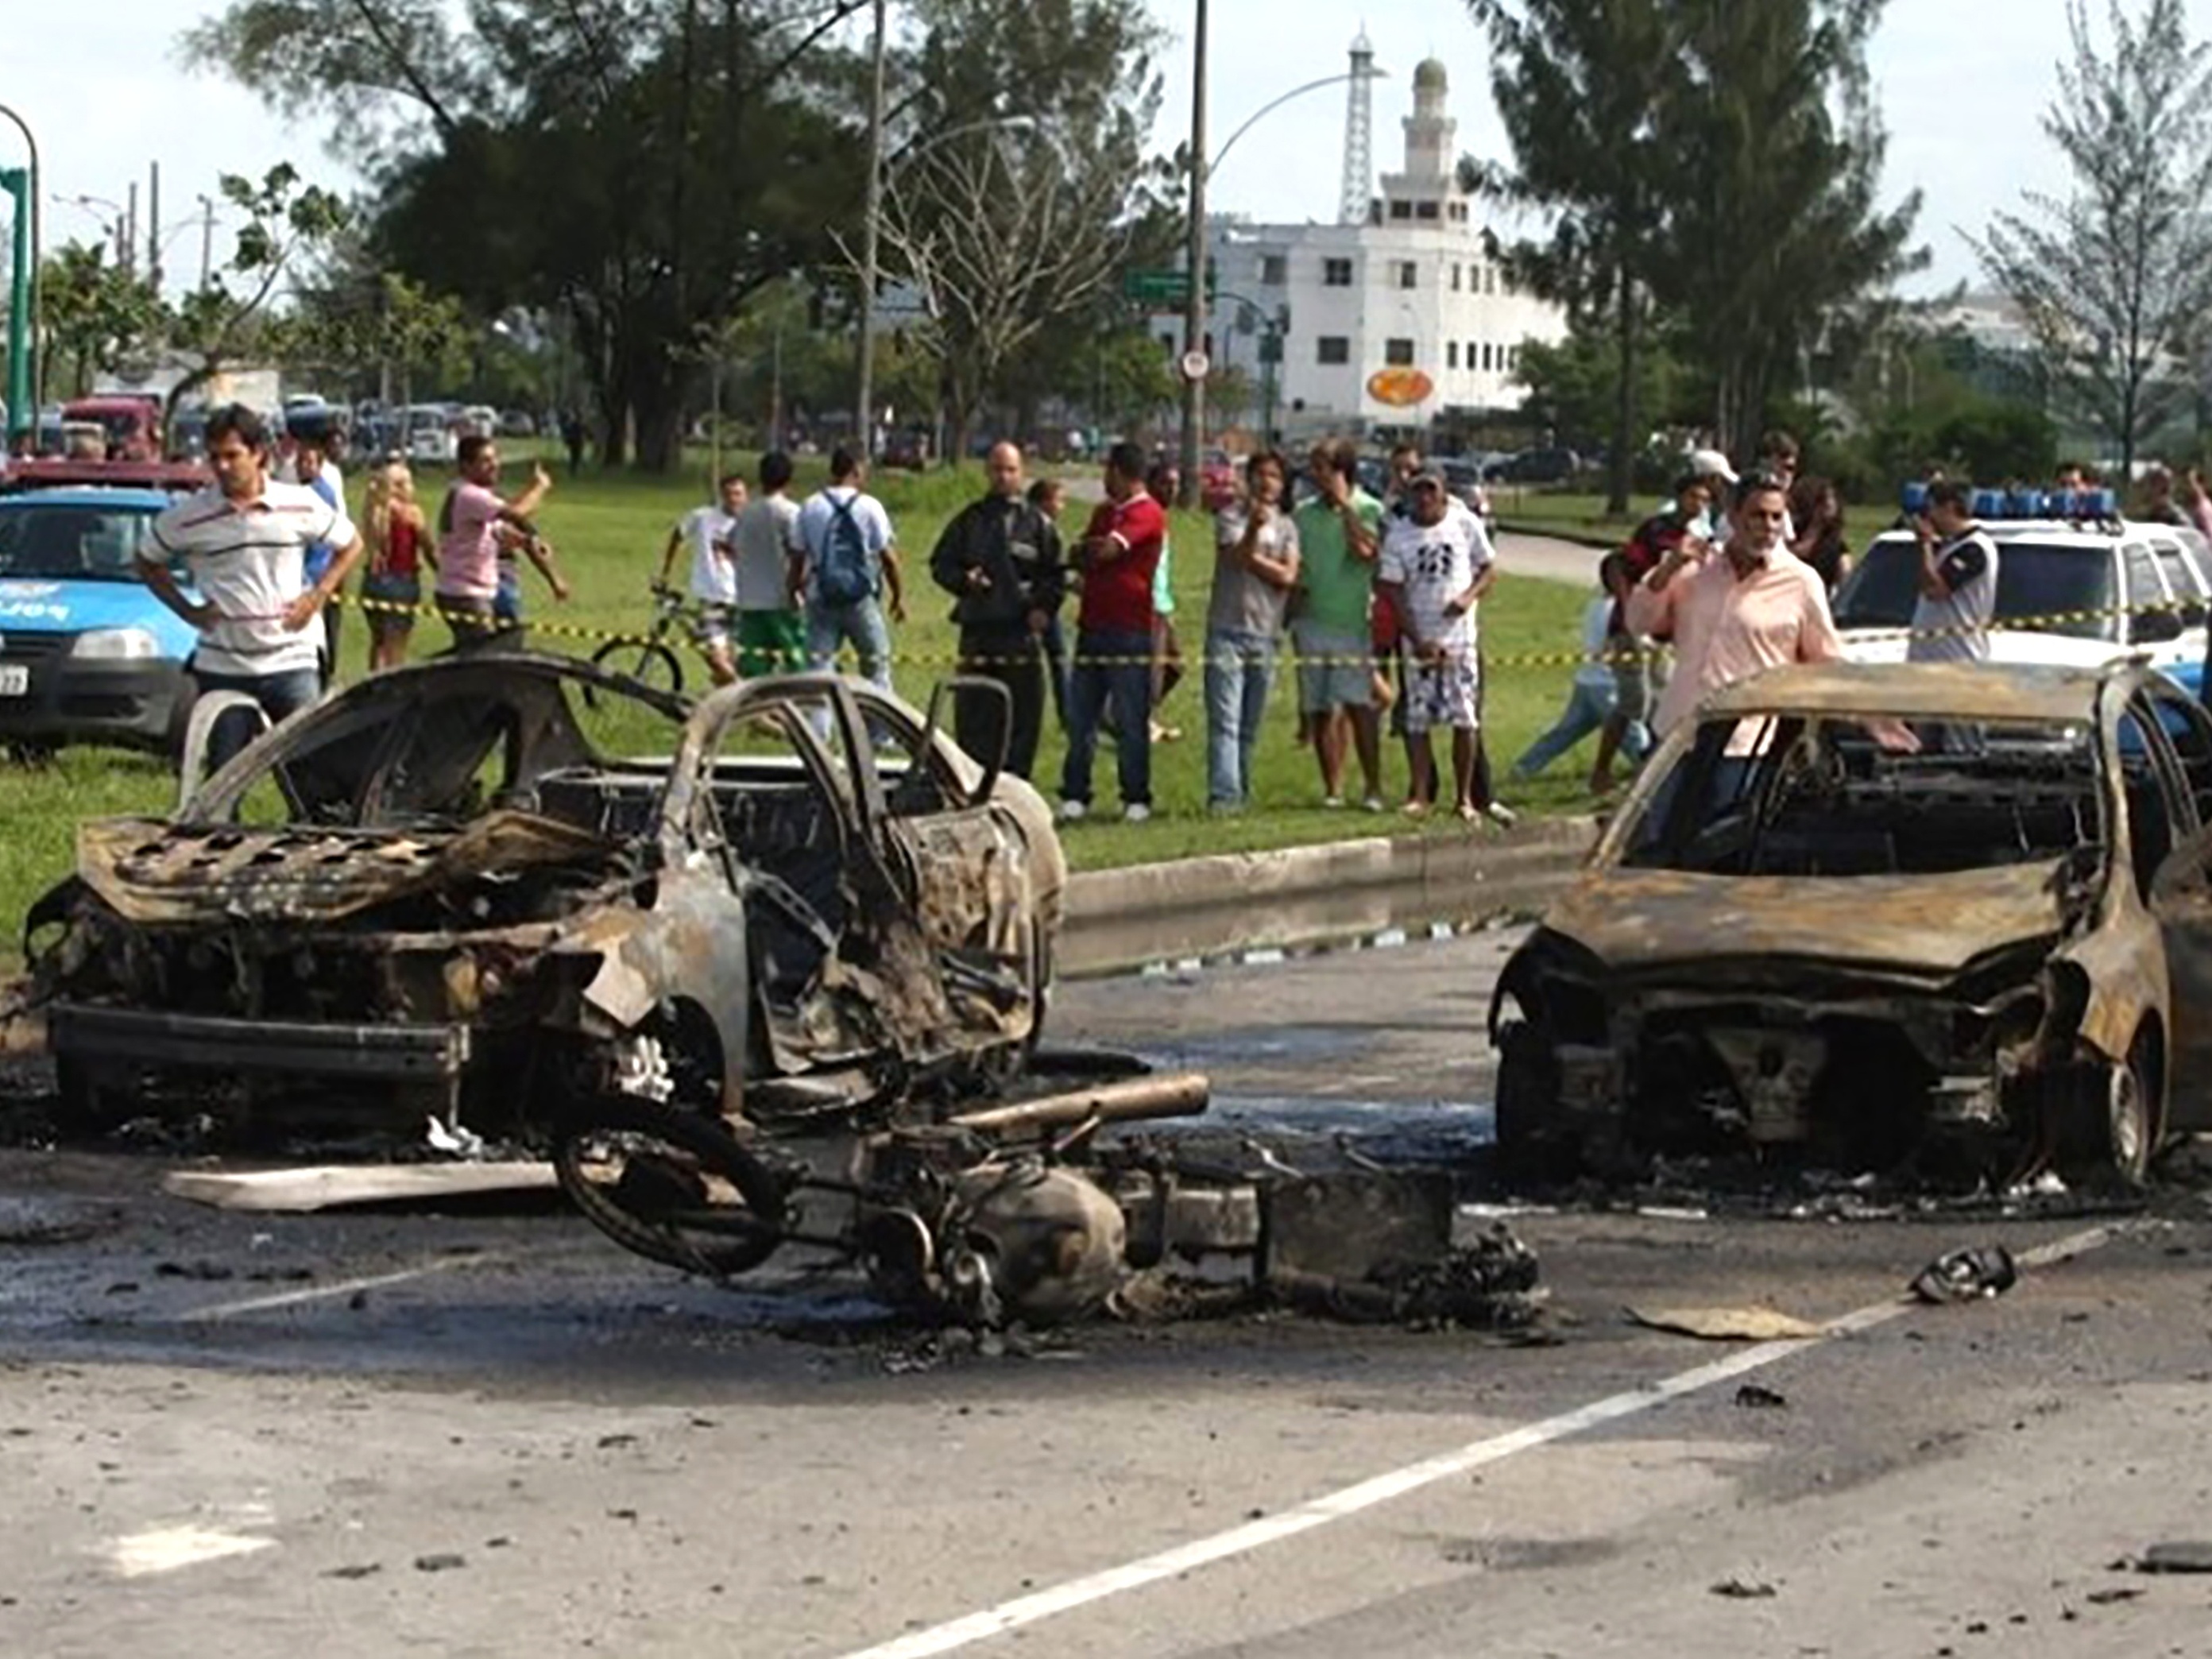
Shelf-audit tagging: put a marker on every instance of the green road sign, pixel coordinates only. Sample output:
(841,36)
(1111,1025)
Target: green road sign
(1163,288)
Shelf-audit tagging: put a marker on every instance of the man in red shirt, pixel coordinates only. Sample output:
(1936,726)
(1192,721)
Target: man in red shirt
(1118,554)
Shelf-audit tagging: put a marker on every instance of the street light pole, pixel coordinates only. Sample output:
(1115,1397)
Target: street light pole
(864,416)
(26,338)
(1193,316)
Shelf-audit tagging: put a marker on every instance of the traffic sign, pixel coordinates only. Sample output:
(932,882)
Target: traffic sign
(1195,365)
(1164,287)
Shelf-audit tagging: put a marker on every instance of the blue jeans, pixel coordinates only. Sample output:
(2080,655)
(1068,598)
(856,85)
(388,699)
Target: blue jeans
(1239,666)
(1587,711)
(507,605)
(280,696)
(860,624)
(1117,669)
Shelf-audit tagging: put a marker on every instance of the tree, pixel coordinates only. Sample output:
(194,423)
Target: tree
(1580,86)
(1574,388)
(2115,281)
(1771,124)
(219,323)
(95,315)
(1017,180)
(638,166)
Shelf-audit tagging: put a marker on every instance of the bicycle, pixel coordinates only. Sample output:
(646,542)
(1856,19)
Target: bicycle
(650,661)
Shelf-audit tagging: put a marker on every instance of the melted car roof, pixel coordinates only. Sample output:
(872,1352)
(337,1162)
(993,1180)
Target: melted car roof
(1974,691)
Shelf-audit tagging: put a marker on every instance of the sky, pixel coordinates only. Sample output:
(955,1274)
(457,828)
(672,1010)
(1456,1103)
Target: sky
(102,89)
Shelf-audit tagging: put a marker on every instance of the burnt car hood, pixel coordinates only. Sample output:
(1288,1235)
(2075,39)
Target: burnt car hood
(1923,926)
(151,870)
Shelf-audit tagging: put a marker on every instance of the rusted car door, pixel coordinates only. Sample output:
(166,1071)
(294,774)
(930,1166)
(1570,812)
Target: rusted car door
(964,864)
(2178,737)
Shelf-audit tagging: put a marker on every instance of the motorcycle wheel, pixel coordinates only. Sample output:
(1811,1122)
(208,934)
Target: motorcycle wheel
(639,1173)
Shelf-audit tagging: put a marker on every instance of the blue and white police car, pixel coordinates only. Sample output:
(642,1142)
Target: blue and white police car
(87,654)
(2078,585)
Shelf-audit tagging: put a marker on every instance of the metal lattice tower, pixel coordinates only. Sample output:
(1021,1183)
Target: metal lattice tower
(1359,136)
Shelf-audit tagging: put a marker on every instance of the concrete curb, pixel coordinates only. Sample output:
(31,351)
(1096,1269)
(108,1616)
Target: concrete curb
(1118,919)
(1554,530)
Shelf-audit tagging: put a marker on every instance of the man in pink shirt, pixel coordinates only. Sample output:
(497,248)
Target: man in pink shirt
(1736,611)
(472,525)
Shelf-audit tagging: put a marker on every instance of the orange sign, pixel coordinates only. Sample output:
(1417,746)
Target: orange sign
(1401,388)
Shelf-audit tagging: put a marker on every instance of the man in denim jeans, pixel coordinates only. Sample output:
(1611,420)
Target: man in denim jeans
(245,543)
(858,622)
(1255,565)
(1117,556)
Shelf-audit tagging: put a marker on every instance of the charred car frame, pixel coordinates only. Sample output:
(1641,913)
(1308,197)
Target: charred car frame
(481,887)
(1985,947)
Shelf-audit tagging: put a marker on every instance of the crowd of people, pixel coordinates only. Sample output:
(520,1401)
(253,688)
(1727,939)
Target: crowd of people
(1380,600)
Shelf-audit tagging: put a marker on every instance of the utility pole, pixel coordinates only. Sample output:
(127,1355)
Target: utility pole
(154,226)
(27,354)
(1193,316)
(207,238)
(864,411)
(129,231)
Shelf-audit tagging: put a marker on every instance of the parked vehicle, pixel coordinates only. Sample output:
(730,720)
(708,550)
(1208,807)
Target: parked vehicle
(87,652)
(1534,466)
(1990,956)
(425,433)
(130,424)
(2069,592)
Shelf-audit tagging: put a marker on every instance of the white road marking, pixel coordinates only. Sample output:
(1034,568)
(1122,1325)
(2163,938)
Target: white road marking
(165,1549)
(324,1292)
(1383,1488)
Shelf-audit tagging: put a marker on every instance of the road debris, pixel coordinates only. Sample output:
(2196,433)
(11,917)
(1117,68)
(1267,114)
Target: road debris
(1967,1275)
(1750,1324)
(2190,1557)
(335,1186)
(1742,1589)
(1752,1397)
(445,1561)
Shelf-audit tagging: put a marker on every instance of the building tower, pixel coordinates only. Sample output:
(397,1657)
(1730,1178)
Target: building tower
(1430,131)
(1359,136)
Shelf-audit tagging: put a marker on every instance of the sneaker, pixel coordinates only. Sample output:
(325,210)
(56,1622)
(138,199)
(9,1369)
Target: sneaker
(1136,812)
(1333,803)
(1073,810)
(1501,815)
(1372,804)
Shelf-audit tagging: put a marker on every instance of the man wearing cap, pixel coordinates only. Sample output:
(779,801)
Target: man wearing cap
(1435,565)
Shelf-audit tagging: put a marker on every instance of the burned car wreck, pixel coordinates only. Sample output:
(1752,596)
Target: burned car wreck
(480,888)
(1950,917)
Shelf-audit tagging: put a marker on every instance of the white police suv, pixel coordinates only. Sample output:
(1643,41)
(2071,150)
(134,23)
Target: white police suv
(2077,586)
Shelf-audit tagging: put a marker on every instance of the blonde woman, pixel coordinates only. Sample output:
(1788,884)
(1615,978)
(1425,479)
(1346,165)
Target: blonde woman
(392,526)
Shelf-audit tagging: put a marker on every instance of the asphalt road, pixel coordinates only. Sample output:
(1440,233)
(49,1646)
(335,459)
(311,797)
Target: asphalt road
(495,1434)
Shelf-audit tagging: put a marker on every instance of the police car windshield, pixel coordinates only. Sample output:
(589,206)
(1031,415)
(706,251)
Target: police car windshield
(99,544)
(2048,584)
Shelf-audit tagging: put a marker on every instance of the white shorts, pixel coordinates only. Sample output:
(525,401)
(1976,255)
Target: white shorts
(1446,695)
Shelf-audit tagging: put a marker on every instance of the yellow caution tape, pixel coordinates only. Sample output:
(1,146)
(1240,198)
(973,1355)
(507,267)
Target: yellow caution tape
(670,638)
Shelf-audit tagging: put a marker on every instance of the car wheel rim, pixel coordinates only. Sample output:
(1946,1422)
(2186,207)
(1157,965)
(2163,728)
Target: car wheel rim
(2128,1130)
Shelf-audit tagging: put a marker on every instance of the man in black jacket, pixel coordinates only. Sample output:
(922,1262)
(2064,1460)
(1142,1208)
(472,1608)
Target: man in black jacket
(1000,559)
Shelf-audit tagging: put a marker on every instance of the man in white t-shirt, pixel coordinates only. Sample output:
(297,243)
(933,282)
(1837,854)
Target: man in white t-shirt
(847,566)
(1434,566)
(244,543)
(714,571)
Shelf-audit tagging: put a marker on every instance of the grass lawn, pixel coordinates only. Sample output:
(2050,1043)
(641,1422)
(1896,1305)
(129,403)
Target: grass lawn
(1584,515)
(609,532)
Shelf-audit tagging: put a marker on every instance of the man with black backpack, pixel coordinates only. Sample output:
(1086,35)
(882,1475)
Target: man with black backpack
(845,567)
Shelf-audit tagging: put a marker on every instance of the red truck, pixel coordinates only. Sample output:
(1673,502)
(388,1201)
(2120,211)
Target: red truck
(132,424)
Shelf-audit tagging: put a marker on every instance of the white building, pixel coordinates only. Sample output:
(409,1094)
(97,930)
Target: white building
(1394,322)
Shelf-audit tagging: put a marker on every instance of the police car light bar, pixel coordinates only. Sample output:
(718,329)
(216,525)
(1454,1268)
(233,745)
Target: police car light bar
(2077,505)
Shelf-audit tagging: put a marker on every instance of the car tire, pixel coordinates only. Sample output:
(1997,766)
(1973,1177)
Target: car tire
(1533,1150)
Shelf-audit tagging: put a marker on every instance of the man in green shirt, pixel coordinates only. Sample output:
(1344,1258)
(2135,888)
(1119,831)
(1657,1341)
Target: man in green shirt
(1340,529)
